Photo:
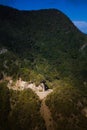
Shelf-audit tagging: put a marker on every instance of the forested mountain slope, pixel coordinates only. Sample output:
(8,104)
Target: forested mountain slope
(41,40)
(45,46)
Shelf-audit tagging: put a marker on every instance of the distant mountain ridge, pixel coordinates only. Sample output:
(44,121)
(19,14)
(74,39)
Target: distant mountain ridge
(39,37)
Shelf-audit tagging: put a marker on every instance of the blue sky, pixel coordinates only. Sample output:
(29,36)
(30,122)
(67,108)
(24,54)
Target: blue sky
(76,10)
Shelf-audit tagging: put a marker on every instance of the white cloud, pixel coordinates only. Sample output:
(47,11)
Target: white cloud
(82,25)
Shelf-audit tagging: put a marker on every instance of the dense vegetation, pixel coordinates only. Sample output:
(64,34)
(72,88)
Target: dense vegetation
(67,104)
(19,110)
(41,42)
(4,106)
(45,45)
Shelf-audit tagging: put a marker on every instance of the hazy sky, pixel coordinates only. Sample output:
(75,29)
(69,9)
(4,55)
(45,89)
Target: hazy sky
(76,10)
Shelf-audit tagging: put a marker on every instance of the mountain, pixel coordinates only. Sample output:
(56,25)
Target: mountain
(45,45)
(40,37)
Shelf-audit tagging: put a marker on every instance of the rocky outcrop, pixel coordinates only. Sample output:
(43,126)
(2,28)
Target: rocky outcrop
(21,85)
(3,50)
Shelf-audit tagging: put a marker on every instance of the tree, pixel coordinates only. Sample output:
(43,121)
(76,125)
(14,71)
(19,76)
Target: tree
(4,106)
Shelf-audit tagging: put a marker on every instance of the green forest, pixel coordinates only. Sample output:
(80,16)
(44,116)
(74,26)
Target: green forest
(41,46)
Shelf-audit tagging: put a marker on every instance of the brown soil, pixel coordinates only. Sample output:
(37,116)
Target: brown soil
(46,114)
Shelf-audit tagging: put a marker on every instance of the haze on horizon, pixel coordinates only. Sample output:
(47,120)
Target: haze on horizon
(76,10)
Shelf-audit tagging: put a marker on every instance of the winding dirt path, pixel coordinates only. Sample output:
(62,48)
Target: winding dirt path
(44,110)
(46,114)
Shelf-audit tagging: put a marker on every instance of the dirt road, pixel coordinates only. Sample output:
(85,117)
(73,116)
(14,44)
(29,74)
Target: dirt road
(46,114)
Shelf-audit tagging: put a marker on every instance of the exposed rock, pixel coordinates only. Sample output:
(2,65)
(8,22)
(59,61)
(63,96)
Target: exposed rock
(3,50)
(83,47)
(21,85)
